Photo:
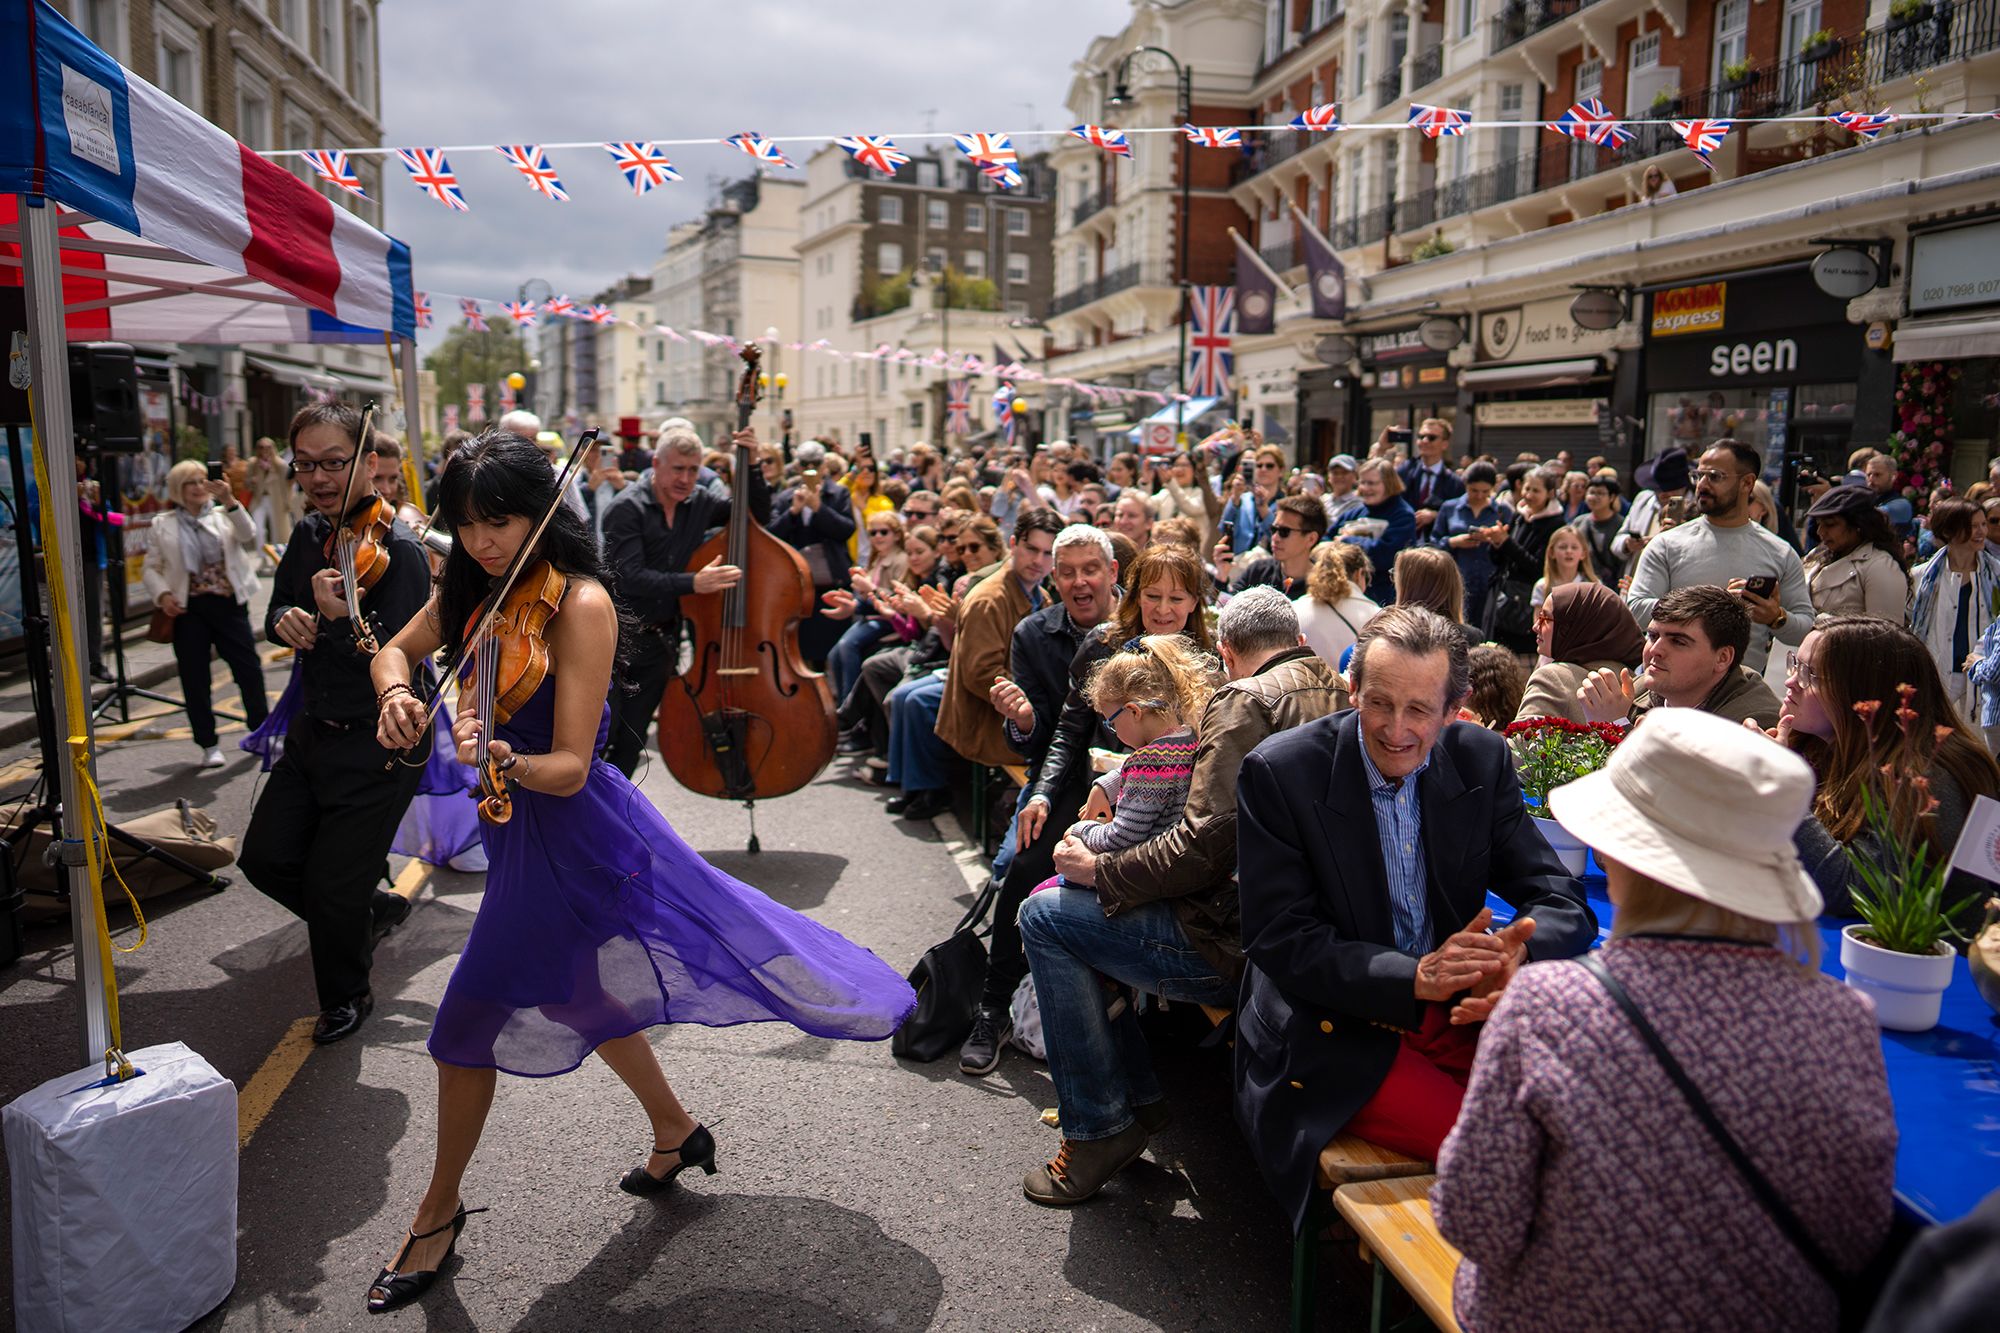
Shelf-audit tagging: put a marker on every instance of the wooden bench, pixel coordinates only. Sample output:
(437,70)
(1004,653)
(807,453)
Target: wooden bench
(1345,1161)
(983,780)
(1392,1219)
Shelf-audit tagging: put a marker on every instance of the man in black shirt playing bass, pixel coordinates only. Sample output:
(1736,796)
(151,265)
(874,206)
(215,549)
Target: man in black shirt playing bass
(651,532)
(320,833)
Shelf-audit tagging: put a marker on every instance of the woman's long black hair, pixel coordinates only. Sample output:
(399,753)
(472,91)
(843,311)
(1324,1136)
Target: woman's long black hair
(499,475)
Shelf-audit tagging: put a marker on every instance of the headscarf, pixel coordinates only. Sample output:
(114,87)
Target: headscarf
(1592,624)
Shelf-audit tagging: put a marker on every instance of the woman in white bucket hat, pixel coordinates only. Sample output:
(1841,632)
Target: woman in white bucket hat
(1580,1183)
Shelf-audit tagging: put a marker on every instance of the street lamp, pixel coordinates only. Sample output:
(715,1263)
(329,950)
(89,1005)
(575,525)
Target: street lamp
(1121,96)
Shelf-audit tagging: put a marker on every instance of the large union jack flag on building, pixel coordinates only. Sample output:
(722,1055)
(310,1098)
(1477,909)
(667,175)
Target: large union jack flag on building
(432,174)
(761,149)
(1111,141)
(874,151)
(1591,121)
(1211,318)
(1324,118)
(646,168)
(958,407)
(333,167)
(1702,136)
(535,167)
(1210,136)
(1438,121)
(470,309)
(521,312)
(422,302)
(1863,124)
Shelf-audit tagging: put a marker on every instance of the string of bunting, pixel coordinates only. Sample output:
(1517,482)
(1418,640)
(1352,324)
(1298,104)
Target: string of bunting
(645,165)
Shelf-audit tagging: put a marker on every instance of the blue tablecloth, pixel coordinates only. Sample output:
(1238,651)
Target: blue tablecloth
(1946,1085)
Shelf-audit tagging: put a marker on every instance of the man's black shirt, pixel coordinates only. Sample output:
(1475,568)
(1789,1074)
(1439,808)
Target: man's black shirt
(335,673)
(649,559)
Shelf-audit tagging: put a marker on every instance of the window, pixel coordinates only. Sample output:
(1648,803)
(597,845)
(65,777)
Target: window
(927,173)
(178,53)
(1017,222)
(975,217)
(973,264)
(1274,28)
(1399,41)
(1017,268)
(103,21)
(888,208)
(332,46)
(292,20)
(917,415)
(935,259)
(888,258)
(1082,267)
(364,57)
(1360,63)
(1468,15)
(937,213)
(1732,35)
(1646,51)
(1589,79)
(253,108)
(1323,12)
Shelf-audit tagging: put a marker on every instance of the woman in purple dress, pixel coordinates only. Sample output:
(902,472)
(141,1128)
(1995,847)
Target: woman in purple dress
(598,921)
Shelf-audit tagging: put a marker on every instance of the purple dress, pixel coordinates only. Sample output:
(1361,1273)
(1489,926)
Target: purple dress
(599,922)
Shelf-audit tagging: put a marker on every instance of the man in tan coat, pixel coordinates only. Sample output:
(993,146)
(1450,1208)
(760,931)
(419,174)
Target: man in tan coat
(967,720)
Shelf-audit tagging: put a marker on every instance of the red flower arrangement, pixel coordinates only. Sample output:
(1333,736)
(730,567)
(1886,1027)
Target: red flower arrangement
(1921,444)
(1551,751)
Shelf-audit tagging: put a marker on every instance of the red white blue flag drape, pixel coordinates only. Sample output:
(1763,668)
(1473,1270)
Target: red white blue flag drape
(1211,320)
(958,407)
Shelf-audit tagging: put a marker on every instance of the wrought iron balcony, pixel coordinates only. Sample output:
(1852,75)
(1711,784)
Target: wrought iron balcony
(1389,86)
(1427,68)
(1090,207)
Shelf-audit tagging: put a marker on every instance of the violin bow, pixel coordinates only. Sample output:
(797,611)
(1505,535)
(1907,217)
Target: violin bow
(364,634)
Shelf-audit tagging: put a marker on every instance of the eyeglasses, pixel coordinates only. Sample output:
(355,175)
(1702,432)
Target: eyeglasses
(1711,474)
(1800,670)
(307,466)
(1430,437)
(1267,467)
(920,513)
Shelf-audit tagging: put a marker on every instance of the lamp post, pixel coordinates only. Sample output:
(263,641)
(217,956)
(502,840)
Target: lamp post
(1120,96)
(940,284)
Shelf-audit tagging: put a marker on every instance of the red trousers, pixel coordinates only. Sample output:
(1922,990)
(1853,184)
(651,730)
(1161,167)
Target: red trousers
(1416,1106)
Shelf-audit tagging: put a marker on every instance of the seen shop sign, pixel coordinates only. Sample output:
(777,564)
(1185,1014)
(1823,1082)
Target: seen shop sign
(1779,329)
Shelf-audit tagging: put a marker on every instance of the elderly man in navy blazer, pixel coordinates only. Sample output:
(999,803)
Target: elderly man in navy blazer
(1367,842)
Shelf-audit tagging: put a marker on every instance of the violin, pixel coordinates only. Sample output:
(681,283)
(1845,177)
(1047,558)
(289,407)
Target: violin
(509,664)
(358,546)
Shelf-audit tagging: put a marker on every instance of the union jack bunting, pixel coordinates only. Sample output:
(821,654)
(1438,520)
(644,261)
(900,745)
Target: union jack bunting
(1863,124)
(761,149)
(601,314)
(1002,175)
(422,302)
(646,168)
(988,150)
(1701,136)
(506,399)
(1591,121)
(475,403)
(1324,118)
(559,305)
(534,165)
(1208,136)
(1211,316)
(958,407)
(1438,121)
(450,417)
(470,308)
(669,334)
(1111,141)
(432,174)
(333,168)
(521,312)
(874,151)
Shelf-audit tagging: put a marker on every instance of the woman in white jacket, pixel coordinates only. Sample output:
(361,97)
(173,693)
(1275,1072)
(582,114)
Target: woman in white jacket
(201,567)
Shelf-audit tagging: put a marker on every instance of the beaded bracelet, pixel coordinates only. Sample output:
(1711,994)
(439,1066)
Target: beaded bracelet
(388,690)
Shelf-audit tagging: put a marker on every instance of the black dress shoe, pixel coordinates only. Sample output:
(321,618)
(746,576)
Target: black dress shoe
(854,742)
(386,912)
(926,804)
(392,1290)
(342,1019)
(697,1150)
(895,805)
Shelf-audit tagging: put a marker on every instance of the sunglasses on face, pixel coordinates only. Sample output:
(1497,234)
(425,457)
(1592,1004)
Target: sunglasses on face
(1277,531)
(1430,437)
(881,532)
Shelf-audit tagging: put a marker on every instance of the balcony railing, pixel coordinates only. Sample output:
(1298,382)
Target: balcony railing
(1277,252)
(1090,207)
(1264,151)
(1518,21)
(1364,230)
(1389,86)
(1482,189)
(1145,272)
(1427,68)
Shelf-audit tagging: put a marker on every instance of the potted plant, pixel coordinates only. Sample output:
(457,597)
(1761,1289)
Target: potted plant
(1906,13)
(1900,953)
(1666,104)
(1432,247)
(1818,46)
(1736,76)
(1552,751)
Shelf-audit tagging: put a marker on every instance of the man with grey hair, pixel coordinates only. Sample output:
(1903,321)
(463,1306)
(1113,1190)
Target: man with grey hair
(651,531)
(816,517)
(1164,914)
(1369,842)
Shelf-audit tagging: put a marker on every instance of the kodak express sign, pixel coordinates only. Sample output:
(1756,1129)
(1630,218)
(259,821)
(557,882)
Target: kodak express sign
(1696,309)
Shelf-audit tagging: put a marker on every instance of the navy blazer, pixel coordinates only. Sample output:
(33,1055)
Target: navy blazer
(1449,484)
(1327,992)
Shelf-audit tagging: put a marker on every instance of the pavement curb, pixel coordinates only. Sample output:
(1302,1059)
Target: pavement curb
(17,730)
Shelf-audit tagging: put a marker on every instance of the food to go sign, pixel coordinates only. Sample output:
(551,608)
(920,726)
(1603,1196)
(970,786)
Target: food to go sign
(1696,309)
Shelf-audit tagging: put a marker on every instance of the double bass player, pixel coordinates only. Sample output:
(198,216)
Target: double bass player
(651,530)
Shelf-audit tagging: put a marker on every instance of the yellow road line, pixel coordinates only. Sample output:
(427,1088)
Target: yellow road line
(411,881)
(280,1067)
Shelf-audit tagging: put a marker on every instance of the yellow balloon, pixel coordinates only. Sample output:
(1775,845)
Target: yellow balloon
(517,381)
(1019,407)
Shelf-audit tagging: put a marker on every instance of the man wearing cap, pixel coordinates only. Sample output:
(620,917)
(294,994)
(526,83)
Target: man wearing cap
(1660,504)
(1342,501)
(1857,567)
(1367,844)
(1693,659)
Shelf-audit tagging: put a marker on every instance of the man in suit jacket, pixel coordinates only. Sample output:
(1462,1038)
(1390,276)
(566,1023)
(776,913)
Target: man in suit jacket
(1427,482)
(1367,842)
(816,517)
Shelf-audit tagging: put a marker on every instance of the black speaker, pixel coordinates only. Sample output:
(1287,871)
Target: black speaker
(104,398)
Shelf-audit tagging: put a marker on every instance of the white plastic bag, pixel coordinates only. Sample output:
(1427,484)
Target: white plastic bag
(124,1207)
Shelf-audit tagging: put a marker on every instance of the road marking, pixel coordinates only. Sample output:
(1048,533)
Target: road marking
(970,860)
(411,881)
(280,1067)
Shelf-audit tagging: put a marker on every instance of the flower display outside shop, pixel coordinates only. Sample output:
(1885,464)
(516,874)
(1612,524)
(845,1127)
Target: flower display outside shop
(1551,751)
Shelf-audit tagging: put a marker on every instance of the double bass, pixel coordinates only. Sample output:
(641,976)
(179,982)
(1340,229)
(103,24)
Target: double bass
(748,720)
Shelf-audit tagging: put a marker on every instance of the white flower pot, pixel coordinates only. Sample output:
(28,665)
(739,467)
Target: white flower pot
(1908,989)
(1566,845)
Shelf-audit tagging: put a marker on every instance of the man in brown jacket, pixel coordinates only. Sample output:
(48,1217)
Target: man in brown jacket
(1164,915)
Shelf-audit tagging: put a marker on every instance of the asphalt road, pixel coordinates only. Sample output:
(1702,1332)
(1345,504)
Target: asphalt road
(855,1191)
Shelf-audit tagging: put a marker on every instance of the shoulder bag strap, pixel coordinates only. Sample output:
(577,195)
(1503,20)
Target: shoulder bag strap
(1780,1212)
(975,915)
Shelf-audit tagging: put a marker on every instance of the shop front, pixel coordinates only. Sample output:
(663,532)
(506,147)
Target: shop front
(1769,360)
(1954,326)
(1541,384)
(1403,382)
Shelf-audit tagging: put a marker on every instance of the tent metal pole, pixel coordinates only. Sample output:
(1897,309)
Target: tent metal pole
(48,361)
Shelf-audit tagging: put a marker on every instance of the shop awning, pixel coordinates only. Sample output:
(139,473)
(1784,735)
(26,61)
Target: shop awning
(303,377)
(1530,374)
(1187,411)
(365,383)
(1102,425)
(1939,340)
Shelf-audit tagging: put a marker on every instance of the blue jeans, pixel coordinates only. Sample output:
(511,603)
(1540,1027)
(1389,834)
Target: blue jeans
(1010,841)
(918,760)
(843,664)
(1099,1065)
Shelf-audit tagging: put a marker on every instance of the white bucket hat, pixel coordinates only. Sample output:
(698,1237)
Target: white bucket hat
(1704,807)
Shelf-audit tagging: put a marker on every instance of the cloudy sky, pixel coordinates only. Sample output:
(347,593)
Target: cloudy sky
(510,71)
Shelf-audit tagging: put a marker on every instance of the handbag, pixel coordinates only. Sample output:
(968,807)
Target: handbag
(1855,1292)
(948,980)
(1513,608)
(160,629)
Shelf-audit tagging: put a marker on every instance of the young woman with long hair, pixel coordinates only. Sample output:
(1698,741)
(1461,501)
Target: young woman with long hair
(1427,576)
(598,921)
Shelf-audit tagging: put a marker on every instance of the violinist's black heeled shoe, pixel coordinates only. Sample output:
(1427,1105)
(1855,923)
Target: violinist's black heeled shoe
(698,1150)
(392,1290)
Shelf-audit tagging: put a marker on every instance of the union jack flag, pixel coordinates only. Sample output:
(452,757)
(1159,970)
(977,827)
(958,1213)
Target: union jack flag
(521,312)
(1438,121)
(1207,136)
(761,149)
(450,417)
(1211,317)
(333,168)
(422,302)
(1702,136)
(1324,118)
(873,150)
(1111,141)
(669,334)
(470,308)
(534,164)
(958,407)
(559,305)
(988,150)
(1003,412)
(601,314)
(433,175)
(1001,175)
(1863,124)
(506,399)
(1591,121)
(646,168)
(475,403)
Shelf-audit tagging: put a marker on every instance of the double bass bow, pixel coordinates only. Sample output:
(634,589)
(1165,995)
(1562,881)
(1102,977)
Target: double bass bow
(747,720)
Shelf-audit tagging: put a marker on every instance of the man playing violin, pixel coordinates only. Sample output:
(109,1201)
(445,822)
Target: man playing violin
(320,833)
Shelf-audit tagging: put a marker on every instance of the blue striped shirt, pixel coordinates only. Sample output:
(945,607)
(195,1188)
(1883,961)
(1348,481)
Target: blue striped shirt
(1399,823)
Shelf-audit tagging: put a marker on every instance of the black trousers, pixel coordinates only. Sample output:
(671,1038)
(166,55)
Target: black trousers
(319,837)
(635,702)
(218,622)
(1006,964)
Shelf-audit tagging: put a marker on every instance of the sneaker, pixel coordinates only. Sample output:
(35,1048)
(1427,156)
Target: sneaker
(1083,1167)
(992,1029)
(213,758)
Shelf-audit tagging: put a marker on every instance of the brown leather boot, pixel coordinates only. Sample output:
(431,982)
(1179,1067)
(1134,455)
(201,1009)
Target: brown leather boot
(1082,1167)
